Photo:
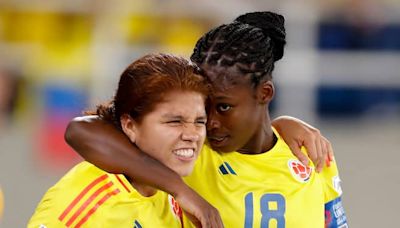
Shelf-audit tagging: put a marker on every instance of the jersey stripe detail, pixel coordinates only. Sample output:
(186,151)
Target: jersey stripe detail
(96,206)
(123,184)
(137,224)
(230,168)
(80,196)
(223,170)
(88,201)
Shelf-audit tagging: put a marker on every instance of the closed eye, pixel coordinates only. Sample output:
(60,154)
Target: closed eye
(202,122)
(174,122)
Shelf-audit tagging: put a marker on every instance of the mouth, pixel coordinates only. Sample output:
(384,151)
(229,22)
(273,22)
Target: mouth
(217,141)
(185,154)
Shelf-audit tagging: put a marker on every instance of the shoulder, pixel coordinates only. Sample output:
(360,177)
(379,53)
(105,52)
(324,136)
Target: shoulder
(206,156)
(64,202)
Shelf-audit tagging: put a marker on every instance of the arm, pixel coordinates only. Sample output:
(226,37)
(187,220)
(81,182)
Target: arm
(297,133)
(100,143)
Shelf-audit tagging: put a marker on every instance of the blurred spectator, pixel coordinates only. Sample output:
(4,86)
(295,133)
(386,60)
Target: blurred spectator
(8,95)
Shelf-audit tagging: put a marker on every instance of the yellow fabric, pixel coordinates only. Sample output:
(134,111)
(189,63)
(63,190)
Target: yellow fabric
(1,203)
(89,197)
(263,188)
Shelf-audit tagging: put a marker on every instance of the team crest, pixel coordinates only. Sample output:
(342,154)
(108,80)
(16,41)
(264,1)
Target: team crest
(175,208)
(299,171)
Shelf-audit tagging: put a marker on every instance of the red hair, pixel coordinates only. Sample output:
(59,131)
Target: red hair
(144,83)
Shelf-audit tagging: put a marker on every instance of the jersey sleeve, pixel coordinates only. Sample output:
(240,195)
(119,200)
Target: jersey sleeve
(335,216)
(74,199)
(45,215)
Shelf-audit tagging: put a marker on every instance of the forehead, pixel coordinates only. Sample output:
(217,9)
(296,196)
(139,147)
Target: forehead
(226,79)
(181,103)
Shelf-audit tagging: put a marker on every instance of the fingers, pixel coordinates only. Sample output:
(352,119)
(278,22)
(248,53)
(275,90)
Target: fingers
(198,211)
(330,156)
(210,219)
(319,163)
(295,148)
(312,151)
(218,221)
(325,155)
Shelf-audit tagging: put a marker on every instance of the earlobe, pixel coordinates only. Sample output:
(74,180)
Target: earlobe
(266,92)
(128,125)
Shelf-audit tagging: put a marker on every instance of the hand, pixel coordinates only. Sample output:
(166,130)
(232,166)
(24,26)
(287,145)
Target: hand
(297,133)
(198,210)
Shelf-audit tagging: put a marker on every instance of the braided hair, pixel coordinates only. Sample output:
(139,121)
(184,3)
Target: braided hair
(253,42)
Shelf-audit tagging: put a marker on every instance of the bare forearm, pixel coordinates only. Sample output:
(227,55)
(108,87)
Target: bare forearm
(101,144)
(280,121)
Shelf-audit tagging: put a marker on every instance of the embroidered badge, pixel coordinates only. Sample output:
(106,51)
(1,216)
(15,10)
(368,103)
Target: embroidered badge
(299,171)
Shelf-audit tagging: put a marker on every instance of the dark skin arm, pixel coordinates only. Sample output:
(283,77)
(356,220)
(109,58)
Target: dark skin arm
(103,145)
(108,148)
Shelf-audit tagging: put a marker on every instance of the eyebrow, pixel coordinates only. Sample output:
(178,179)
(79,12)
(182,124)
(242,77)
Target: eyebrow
(180,116)
(222,97)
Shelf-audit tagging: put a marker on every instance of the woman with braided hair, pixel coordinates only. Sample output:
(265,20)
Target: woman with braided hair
(246,170)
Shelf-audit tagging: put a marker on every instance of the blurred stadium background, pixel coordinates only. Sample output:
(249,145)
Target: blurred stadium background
(341,72)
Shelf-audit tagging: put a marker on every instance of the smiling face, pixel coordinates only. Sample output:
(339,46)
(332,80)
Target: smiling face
(173,132)
(237,112)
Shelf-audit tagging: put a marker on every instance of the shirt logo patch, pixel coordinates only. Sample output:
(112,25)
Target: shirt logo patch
(225,169)
(299,171)
(335,215)
(175,208)
(336,184)
(137,224)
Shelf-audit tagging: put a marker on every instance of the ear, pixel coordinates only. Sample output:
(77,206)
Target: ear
(265,92)
(129,126)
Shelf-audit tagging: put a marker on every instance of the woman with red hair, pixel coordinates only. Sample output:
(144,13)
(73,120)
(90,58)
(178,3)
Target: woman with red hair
(159,106)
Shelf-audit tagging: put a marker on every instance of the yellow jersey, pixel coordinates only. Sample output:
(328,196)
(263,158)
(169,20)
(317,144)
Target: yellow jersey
(1,203)
(90,197)
(272,189)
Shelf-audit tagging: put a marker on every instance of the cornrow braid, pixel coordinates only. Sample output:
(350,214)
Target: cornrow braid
(252,43)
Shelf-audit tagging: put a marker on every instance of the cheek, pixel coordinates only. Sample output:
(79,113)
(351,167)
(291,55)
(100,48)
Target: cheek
(203,135)
(158,142)
(243,120)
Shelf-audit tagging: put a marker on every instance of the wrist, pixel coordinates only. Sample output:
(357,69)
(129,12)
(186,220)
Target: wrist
(178,187)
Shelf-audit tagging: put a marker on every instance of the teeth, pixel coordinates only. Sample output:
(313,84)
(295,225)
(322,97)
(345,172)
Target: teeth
(187,153)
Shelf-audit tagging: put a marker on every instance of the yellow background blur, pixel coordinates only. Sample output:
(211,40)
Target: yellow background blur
(58,58)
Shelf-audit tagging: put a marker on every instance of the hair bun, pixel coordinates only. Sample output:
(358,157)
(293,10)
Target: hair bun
(272,25)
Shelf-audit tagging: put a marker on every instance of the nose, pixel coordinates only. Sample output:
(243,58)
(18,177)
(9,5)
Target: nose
(191,132)
(213,122)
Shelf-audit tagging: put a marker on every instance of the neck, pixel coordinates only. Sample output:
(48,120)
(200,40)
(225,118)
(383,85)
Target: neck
(262,140)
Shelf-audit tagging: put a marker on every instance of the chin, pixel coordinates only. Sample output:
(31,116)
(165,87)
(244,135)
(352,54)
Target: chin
(225,149)
(184,172)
